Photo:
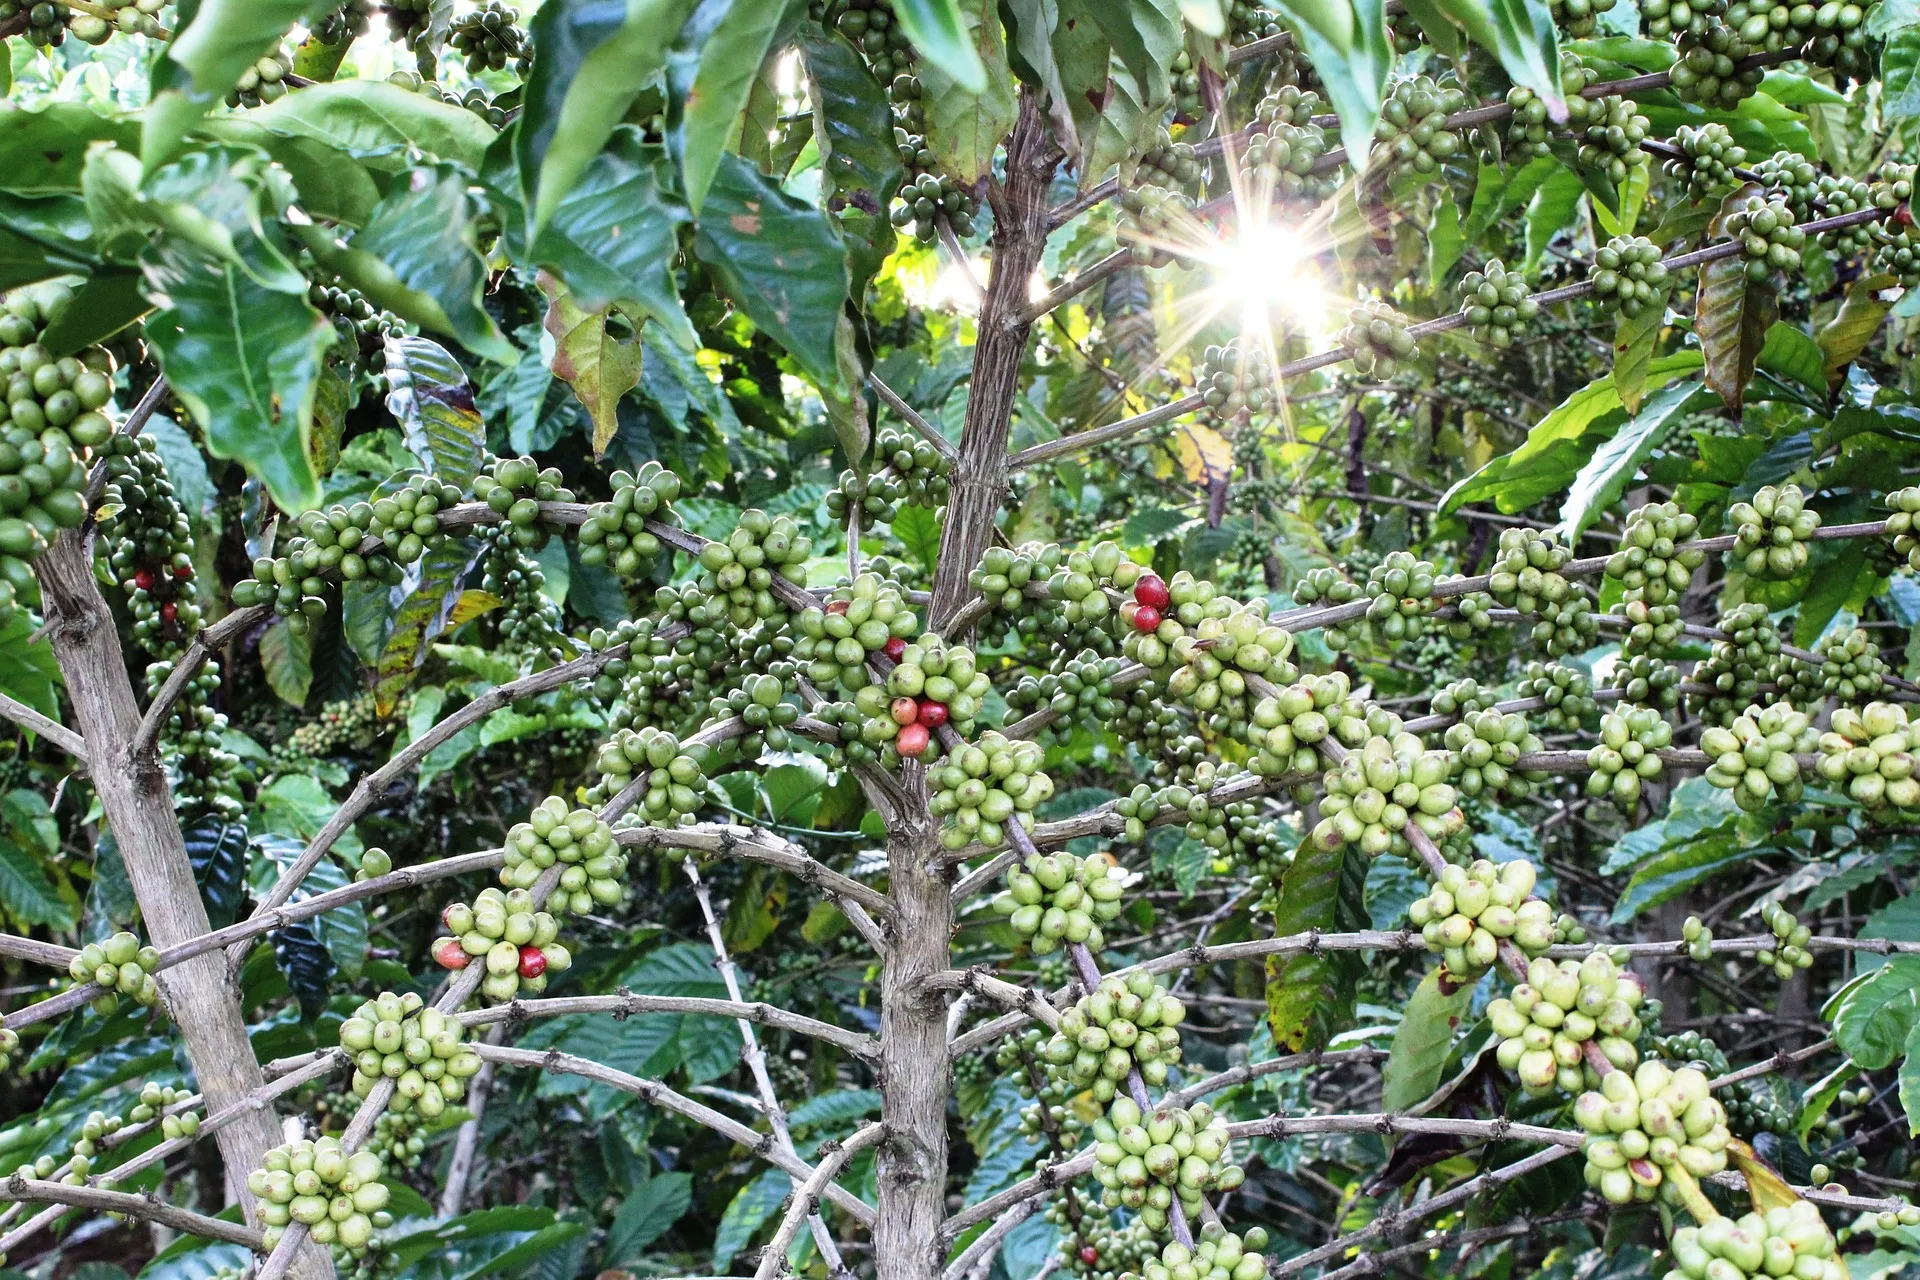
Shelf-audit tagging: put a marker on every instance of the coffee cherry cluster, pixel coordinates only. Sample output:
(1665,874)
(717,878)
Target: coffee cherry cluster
(676,781)
(339,1197)
(1218,1254)
(1628,270)
(1871,751)
(1236,382)
(1382,787)
(503,929)
(1473,909)
(1610,143)
(1627,755)
(9,1045)
(344,22)
(986,784)
(1151,222)
(1377,340)
(1754,756)
(1146,1160)
(1083,687)
(1413,136)
(1650,629)
(1529,128)
(120,966)
(595,870)
(1284,146)
(1655,562)
(1707,160)
(1485,746)
(1578,18)
(913,472)
(1851,670)
(1159,614)
(1095,1249)
(1119,1025)
(1647,681)
(933,684)
(1327,586)
(490,37)
(101,1130)
(1462,697)
(263,82)
(1496,304)
(1736,666)
(1905,505)
(739,573)
(514,488)
(1547,1021)
(1401,591)
(871,26)
(1709,70)
(1768,237)
(1771,532)
(1787,1240)
(930,196)
(149,544)
(422,1050)
(615,534)
(374,863)
(1286,726)
(1567,692)
(1051,899)
(1790,955)
(526,618)
(857,622)
(1641,1123)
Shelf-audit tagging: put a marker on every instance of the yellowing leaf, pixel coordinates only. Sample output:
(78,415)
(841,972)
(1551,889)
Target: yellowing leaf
(471,605)
(1767,1189)
(599,367)
(1204,453)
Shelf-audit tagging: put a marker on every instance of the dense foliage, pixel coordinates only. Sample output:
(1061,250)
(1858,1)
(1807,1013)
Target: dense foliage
(1173,638)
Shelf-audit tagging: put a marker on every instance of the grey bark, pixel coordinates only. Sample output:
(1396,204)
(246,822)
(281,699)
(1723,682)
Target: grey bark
(203,1003)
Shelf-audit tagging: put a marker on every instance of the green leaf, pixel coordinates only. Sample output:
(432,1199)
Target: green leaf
(1521,34)
(598,366)
(1310,997)
(28,672)
(1422,1041)
(853,126)
(613,237)
(1791,354)
(218,851)
(1445,244)
(421,617)
(1670,874)
(1853,326)
(383,126)
(214,43)
(939,30)
(433,403)
(595,57)
(44,150)
(710,73)
(1821,1094)
(1552,208)
(26,893)
(645,1216)
(288,662)
(1873,1020)
(746,1213)
(1614,464)
(919,531)
(1910,1081)
(245,360)
(1634,338)
(105,303)
(1898,920)
(964,123)
(42,237)
(1354,71)
(1899,83)
(780,260)
(794,790)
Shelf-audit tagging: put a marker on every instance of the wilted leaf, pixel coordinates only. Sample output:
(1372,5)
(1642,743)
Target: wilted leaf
(598,366)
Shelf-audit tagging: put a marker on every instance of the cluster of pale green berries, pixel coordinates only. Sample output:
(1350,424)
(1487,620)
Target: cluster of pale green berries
(595,873)
(1787,1240)
(1393,780)
(422,1050)
(1235,381)
(1790,953)
(1496,304)
(1147,1160)
(1062,898)
(516,942)
(1217,1254)
(9,1045)
(1754,757)
(1851,669)
(676,780)
(100,1129)
(1767,235)
(1472,910)
(514,488)
(1771,532)
(1121,1024)
(339,1197)
(1486,746)
(984,785)
(1871,751)
(1707,160)
(1286,727)
(1567,693)
(1655,562)
(1628,270)
(1643,1122)
(1377,340)
(1905,505)
(1627,755)
(1526,570)
(120,966)
(855,623)
(1284,146)
(1545,1025)
(615,533)
(1401,591)
(1413,136)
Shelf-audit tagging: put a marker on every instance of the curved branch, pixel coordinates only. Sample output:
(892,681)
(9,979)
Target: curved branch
(35,951)
(833,1157)
(626,1003)
(145,1208)
(52,730)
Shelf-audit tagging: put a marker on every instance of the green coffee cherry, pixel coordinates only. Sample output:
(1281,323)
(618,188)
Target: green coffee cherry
(423,1051)
(595,870)
(1472,910)
(1626,757)
(1548,1019)
(1121,1024)
(1771,532)
(120,966)
(340,1198)
(1061,898)
(1643,1122)
(1755,756)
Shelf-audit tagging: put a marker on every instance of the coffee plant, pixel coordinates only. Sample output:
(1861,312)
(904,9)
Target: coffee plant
(921,638)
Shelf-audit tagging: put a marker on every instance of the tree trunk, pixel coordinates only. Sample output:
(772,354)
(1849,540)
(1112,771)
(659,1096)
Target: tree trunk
(979,480)
(200,997)
(914,1073)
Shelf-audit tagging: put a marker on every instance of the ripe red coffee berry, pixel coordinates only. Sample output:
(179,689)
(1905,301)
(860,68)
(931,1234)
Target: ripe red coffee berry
(1152,592)
(1089,1254)
(451,955)
(894,647)
(904,710)
(183,572)
(533,962)
(1146,618)
(169,611)
(933,714)
(143,579)
(912,742)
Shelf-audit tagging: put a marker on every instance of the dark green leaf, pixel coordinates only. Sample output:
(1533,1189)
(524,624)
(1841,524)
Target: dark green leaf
(965,124)
(385,127)
(42,237)
(780,260)
(26,893)
(1634,338)
(215,41)
(1899,921)
(1873,1019)
(44,150)
(1355,73)
(1422,1041)
(1606,475)
(1310,997)
(1900,75)
(594,60)
(421,617)
(1672,873)
(1521,34)
(288,662)
(107,302)
(245,359)
(645,1216)
(218,850)
(1552,208)
(1792,355)
(853,126)
(28,672)
(939,31)
(746,1213)
(307,965)
(710,73)
(434,404)
(1861,312)
(919,531)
